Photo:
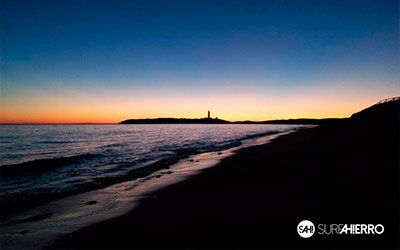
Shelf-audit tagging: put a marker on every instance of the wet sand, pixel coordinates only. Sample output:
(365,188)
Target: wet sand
(345,172)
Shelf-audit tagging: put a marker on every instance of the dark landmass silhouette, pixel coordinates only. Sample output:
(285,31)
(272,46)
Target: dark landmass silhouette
(175,121)
(306,121)
(387,109)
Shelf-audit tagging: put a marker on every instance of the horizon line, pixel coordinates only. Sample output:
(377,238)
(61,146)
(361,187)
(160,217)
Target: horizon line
(116,123)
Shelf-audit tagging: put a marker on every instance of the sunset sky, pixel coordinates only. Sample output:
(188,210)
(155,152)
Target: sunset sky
(106,61)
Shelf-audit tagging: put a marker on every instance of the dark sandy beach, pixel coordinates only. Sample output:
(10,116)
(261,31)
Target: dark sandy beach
(345,171)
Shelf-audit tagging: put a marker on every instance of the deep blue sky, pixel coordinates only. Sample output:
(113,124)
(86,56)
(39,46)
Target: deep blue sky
(271,50)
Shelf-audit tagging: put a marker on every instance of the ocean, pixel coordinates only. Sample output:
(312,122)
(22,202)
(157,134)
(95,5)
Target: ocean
(40,163)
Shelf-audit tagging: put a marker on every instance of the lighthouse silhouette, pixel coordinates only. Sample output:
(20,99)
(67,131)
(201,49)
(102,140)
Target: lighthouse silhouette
(209,115)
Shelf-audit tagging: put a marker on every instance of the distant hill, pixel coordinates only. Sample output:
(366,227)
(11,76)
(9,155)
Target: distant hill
(175,121)
(387,109)
(290,121)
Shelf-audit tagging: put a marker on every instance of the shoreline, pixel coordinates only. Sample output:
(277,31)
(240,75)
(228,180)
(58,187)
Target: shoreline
(64,216)
(335,173)
(38,165)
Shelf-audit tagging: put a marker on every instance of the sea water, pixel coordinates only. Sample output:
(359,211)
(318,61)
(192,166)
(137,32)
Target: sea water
(39,163)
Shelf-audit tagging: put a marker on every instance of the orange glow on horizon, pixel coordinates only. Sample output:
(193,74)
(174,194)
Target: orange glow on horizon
(227,110)
(232,104)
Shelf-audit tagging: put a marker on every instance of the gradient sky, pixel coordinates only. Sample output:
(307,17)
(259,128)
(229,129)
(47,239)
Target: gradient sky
(106,61)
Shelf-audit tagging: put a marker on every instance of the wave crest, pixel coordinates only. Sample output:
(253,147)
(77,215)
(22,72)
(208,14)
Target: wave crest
(46,164)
